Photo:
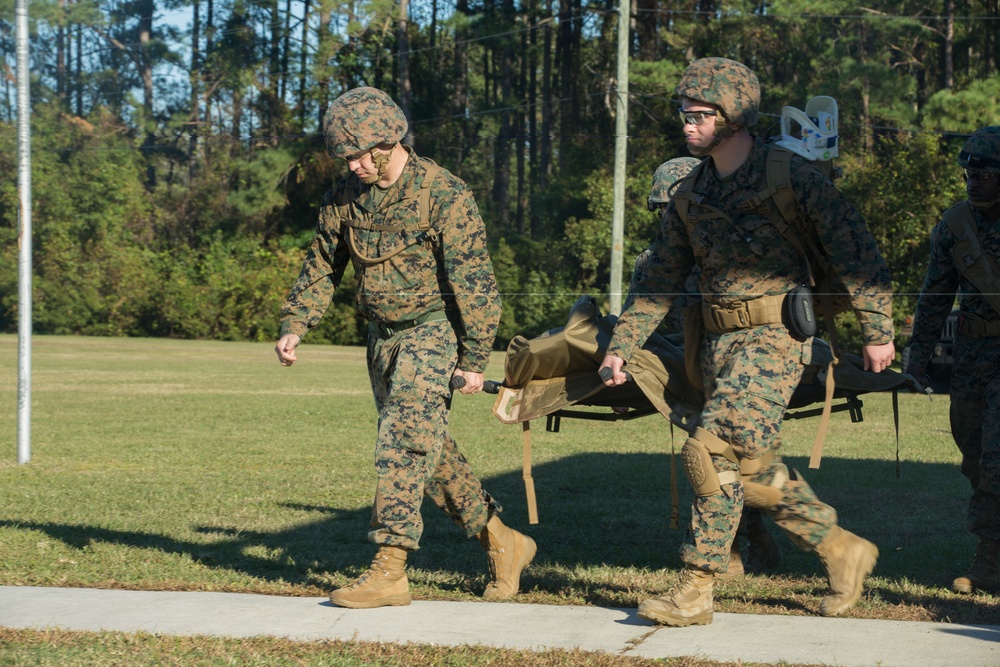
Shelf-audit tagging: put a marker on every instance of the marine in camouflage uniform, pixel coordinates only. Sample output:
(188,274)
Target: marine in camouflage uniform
(761,552)
(426,286)
(751,363)
(975,377)
(666,176)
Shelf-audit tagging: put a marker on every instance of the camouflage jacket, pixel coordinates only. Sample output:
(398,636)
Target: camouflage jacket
(445,268)
(943,281)
(746,257)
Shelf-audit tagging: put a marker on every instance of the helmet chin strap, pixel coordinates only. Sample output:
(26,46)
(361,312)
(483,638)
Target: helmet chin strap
(722,132)
(381,160)
(983,205)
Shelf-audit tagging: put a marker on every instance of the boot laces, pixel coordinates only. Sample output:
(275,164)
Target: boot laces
(379,566)
(492,560)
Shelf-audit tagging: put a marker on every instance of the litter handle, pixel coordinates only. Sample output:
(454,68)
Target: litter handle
(489,386)
(606,374)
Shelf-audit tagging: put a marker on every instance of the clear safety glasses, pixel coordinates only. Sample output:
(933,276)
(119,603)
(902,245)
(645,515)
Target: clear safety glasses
(696,117)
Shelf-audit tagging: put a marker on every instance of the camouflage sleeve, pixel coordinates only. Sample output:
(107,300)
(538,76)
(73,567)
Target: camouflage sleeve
(467,269)
(321,273)
(844,235)
(937,295)
(662,278)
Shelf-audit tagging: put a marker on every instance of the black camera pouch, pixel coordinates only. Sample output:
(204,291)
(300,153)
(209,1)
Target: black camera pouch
(800,316)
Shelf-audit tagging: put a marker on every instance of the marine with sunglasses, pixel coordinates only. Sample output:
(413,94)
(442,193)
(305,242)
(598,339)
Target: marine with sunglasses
(965,250)
(751,360)
(426,286)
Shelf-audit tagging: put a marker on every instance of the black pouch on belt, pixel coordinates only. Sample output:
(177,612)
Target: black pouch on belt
(800,316)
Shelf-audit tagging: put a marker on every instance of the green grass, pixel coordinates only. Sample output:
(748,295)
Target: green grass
(186,465)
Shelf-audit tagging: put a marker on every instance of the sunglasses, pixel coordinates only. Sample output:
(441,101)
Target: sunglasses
(977,175)
(696,117)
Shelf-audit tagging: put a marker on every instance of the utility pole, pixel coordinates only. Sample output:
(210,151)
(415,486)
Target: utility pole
(23,237)
(621,144)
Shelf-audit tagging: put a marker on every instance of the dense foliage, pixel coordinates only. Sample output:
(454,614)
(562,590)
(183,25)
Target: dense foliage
(177,166)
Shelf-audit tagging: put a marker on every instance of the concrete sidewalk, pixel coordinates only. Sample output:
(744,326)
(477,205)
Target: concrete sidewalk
(731,637)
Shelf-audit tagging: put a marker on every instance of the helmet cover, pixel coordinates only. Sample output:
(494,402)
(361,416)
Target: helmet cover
(361,119)
(981,151)
(666,175)
(725,83)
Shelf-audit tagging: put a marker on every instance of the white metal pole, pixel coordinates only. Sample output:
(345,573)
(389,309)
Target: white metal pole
(621,144)
(24,238)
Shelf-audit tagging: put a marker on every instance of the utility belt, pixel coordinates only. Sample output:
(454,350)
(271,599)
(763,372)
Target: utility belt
(794,310)
(390,329)
(975,327)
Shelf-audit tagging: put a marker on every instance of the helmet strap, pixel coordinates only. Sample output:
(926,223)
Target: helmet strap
(722,129)
(983,205)
(381,159)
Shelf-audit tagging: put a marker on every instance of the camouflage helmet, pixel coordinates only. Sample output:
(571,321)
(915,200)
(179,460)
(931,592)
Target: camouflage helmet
(361,119)
(665,176)
(981,151)
(727,84)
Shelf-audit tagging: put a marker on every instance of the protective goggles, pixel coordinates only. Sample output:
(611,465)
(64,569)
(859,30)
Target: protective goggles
(356,157)
(976,175)
(696,117)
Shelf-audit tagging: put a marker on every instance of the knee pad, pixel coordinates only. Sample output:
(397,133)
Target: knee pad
(700,470)
(759,495)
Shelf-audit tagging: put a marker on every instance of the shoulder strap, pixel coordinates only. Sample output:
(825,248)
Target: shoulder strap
(778,188)
(423,195)
(684,195)
(977,266)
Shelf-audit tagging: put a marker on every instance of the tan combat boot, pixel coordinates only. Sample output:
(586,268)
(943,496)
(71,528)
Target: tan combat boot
(848,559)
(384,584)
(689,602)
(763,552)
(984,573)
(508,552)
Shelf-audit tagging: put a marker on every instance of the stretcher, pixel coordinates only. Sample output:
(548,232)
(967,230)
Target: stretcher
(556,374)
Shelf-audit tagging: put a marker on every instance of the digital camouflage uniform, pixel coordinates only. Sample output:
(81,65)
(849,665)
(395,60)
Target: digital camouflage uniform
(750,374)
(975,378)
(442,277)
(665,178)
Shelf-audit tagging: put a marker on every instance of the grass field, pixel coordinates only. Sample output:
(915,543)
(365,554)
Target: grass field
(187,465)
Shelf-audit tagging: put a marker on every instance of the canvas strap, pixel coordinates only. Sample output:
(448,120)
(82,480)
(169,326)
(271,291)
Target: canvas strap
(529,482)
(423,196)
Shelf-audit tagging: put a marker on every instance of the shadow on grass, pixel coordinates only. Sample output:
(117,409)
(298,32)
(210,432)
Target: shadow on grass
(610,511)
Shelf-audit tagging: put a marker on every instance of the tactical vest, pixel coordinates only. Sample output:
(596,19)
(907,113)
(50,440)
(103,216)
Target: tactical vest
(979,268)
(785,215)
(830,294)
(421,193)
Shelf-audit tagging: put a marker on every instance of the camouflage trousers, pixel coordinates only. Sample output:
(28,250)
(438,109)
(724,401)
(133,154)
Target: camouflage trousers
(750,376)
(975,425)
(414,455)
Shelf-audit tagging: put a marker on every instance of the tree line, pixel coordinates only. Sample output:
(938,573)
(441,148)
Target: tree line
(178,167)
